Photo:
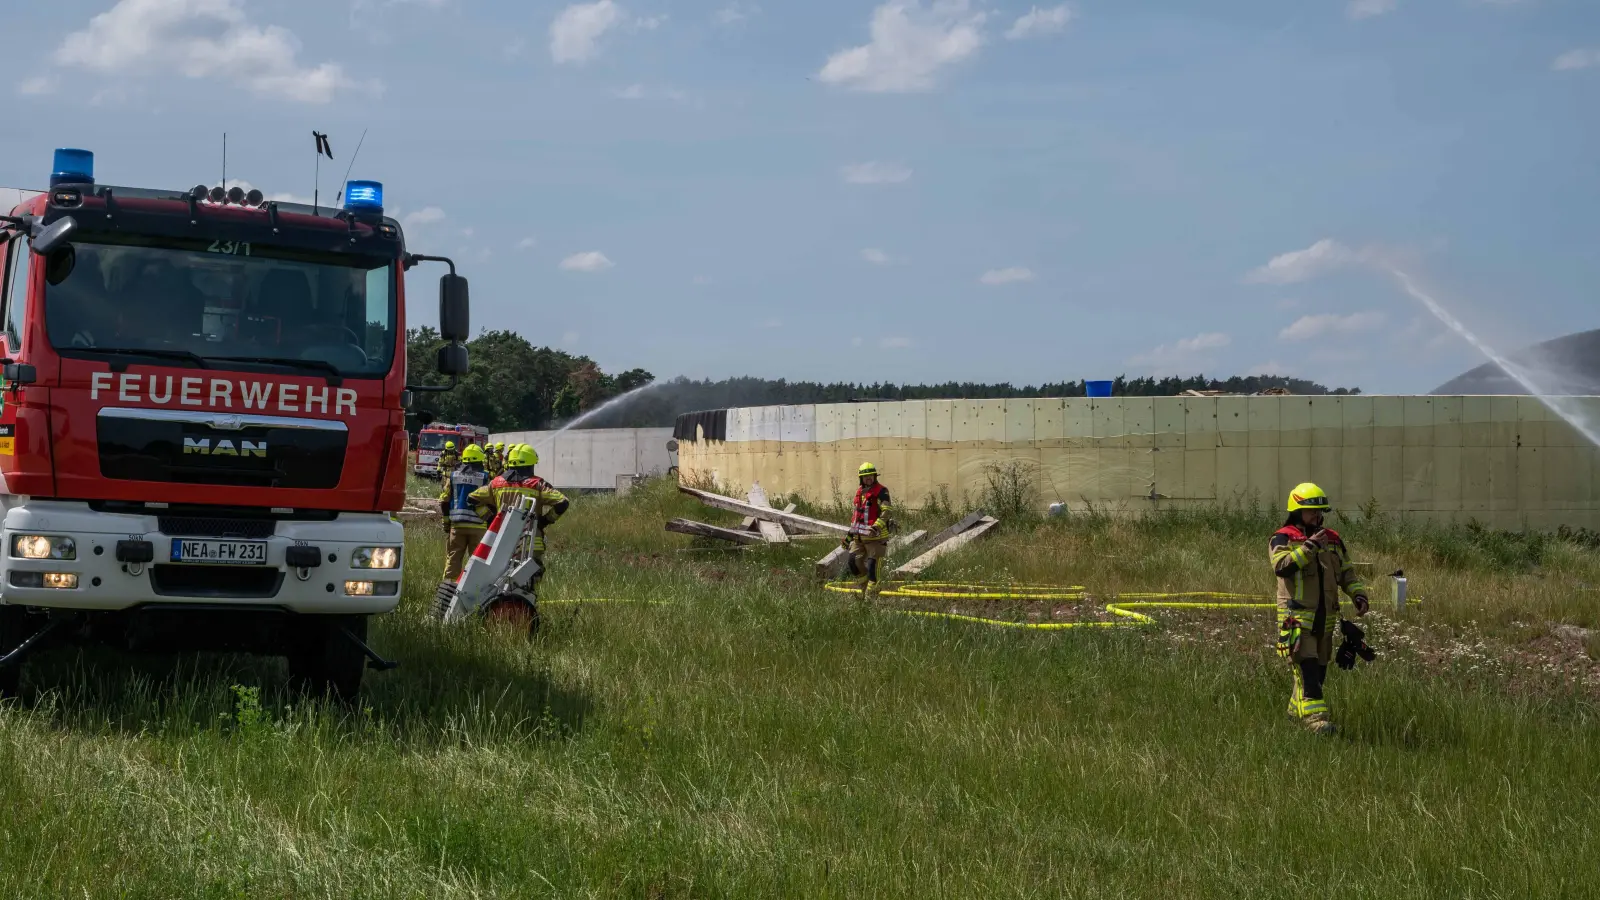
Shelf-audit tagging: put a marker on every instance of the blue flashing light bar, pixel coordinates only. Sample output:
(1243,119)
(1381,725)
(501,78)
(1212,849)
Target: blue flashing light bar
(363,196)
(72,167)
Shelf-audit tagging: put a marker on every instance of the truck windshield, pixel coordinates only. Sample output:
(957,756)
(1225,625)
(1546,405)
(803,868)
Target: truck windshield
(221,299)
(431,440)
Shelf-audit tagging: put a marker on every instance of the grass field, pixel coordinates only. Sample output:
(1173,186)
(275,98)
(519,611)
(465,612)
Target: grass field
(756,737)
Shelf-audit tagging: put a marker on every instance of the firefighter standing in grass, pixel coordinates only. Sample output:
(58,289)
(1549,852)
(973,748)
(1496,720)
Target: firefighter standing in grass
(497,459)
(1312,566)
(870,523)
(516,481)
(464,518)
(448,459)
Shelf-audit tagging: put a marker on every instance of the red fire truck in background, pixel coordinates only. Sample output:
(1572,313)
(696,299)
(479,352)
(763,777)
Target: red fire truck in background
(432,438)
(202,421)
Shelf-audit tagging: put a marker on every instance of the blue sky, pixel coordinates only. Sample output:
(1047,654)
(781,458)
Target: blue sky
(906,191)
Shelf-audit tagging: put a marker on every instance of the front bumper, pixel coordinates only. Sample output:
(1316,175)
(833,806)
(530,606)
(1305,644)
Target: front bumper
(106,584)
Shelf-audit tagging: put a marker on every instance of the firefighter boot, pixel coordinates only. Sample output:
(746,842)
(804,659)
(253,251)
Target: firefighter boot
(1317,723)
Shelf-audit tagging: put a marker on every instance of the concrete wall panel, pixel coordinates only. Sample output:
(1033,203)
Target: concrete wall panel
(1500,460)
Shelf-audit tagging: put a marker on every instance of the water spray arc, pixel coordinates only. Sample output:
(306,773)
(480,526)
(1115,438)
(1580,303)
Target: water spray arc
(1556,404)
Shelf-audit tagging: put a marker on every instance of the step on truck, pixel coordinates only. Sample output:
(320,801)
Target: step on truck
(202,421)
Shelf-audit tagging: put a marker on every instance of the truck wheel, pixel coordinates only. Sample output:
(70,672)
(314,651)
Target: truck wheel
(13,631)
(323,661)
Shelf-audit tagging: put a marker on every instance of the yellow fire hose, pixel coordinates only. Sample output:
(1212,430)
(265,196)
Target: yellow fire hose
(1123,607)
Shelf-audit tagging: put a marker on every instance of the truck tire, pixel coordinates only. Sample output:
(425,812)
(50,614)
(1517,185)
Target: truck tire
(510,610)
(323,661)
(13,631)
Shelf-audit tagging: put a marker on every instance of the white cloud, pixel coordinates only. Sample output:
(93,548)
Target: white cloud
(1322,324)
(569,338)
(1573,60)
(875,173)
(1303,265)
(1010,275)
(855,342)
(895,343)
(1366,9)
(210,39)
(909,45)
(734,13)
(576,30)
(875,256)
(1038,22)
(641,92)
(1183,355)
(428,215)
(37,85)
(631,92)
(528,243)
(588,261)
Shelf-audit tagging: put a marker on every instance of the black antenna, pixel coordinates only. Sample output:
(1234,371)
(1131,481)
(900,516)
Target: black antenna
(352,164)
(224,160)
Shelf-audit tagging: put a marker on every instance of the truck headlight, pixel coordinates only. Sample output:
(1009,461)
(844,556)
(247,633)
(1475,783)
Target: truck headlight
(375,558)
(42,546)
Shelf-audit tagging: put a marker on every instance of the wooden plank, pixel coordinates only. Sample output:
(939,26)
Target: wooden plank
(916,566)
(904,541)
(967,521)
(831,567)
(771,532)
(789,529)
(701,529)
(767,513)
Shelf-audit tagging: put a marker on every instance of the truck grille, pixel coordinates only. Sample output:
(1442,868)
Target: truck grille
(231,582)
(213,526)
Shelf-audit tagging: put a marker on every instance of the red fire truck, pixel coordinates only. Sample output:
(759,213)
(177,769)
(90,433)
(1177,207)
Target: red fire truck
(431,441)
(202,421)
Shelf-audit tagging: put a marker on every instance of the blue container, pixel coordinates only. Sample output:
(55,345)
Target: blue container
(1097,388)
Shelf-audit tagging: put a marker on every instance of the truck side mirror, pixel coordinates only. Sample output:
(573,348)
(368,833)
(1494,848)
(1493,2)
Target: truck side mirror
(453,319)
(453,359)
(59,232)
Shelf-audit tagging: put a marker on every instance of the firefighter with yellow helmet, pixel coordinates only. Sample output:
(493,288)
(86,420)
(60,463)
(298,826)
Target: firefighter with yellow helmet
(464,519)
(449,458)
(1312,566)
(516,481)
(496,461)
(871,518)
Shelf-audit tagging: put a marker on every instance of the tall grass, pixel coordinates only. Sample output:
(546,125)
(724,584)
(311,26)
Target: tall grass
(758,738)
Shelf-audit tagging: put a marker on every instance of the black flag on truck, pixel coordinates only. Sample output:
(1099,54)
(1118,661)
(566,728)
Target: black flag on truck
(323,149)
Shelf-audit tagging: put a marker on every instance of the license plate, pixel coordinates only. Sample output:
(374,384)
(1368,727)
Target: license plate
(230,553)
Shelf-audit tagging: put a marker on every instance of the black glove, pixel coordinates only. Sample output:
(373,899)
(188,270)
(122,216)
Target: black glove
(1362,603)
(1354,645)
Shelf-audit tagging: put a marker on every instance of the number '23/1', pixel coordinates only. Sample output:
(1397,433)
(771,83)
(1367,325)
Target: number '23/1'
(231,248)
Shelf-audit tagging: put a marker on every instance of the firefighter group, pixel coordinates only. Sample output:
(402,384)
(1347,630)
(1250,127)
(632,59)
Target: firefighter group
(1309,561)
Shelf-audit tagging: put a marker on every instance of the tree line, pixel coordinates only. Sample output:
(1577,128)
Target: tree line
(515,386)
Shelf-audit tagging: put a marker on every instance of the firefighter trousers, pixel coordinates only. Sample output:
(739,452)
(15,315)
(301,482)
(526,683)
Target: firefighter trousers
(458,546)
(1309,665)
(865,558)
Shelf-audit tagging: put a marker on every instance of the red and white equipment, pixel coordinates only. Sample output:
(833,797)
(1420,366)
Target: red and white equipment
(501,578)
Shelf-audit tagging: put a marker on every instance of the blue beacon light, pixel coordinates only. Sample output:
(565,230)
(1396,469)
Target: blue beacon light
(72,167)
(363,196)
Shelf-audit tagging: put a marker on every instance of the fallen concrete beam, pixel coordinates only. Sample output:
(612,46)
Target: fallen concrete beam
(701,529)
(766,513)
(948,546)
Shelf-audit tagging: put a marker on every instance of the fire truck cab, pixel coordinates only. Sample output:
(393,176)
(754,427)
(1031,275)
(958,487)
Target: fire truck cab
(202,435)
